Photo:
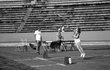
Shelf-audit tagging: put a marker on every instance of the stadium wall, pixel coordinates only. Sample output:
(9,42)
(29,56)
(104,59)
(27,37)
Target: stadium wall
(51,36)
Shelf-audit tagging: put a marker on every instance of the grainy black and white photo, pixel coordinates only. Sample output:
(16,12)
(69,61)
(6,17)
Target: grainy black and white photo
(54,34)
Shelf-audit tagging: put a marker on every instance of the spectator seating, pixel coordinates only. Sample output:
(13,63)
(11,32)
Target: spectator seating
(90,16)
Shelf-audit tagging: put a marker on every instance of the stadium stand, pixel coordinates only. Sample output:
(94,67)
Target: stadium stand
(89,15)
(10,19)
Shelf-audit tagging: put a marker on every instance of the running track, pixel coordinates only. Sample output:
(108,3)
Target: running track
(97,58)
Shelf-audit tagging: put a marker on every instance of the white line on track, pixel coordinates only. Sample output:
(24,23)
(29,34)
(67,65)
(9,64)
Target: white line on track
(23,59)
(43,65)
(86,62)
(50,61)
(48,65)
(43,59)
(36,58)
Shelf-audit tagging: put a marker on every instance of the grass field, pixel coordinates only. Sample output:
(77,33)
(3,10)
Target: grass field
(97,58)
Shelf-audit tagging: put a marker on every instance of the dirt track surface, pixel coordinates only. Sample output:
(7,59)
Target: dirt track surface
(97,58)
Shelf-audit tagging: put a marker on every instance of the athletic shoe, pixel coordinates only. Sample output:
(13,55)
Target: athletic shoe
(82,55)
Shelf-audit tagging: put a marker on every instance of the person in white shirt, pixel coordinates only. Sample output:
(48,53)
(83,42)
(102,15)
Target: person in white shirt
(78,42)
(38,38)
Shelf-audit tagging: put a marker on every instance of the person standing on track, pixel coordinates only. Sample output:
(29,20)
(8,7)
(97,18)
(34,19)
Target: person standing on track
(38,38)
(59,35)
(78,42)
(61,38)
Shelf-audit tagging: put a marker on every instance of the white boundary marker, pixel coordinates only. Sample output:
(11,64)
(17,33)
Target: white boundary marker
(43,65)
(23,59)
(48,65)
(51,61)
(39,58)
